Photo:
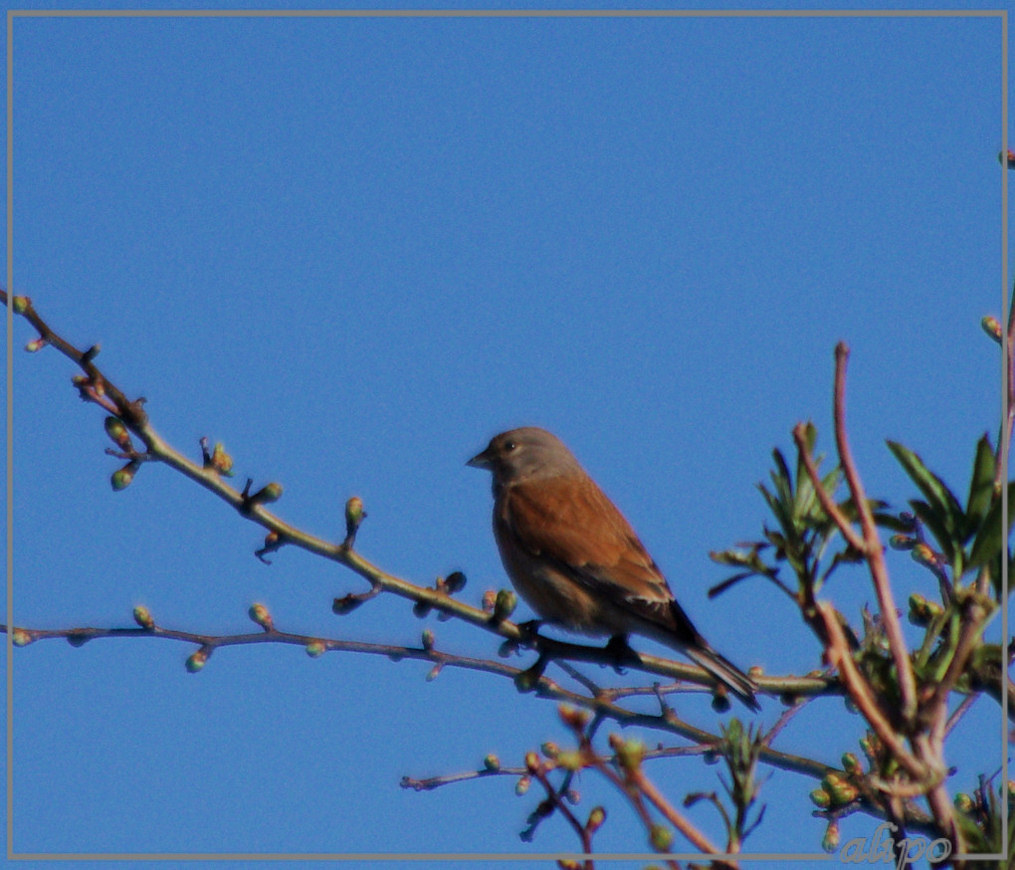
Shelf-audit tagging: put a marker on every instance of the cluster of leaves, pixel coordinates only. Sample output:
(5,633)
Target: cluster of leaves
(950,540)
(961,544)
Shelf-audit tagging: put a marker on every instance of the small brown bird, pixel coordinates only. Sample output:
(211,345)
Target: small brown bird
(576,560)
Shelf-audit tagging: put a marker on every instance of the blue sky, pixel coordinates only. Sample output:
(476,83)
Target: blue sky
(352,250)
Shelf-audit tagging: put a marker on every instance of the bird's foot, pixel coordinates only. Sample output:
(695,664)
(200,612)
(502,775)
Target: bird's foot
(526,681)
(621,653)
(530,631)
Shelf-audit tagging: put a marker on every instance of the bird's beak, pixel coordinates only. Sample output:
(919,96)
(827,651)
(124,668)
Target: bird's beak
(481,460)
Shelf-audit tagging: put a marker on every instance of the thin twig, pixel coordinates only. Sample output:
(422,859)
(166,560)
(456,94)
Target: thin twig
(827,503)
(99,389)
(960,711)
(860,692)
(539,772)
(545,687)
(875,554)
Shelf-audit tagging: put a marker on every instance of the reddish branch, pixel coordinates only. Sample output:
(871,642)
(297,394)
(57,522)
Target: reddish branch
(924,724)
(872,549)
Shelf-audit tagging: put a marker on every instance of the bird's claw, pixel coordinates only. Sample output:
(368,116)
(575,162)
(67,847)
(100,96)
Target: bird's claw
(527,680)
(529,631)
(621,653)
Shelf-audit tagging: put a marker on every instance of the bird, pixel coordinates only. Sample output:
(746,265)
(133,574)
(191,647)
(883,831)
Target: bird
(575,559)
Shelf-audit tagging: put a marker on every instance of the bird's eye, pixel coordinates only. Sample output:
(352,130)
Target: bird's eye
(509,446)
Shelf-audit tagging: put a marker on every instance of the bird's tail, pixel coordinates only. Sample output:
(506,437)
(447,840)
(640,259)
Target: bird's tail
(725,672)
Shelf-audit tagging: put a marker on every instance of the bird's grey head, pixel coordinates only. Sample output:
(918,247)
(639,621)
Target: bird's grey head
(529,453)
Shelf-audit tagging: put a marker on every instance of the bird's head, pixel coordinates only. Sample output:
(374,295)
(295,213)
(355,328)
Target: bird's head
(525,454)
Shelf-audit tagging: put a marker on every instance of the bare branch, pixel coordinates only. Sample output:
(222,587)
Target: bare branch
(874,552)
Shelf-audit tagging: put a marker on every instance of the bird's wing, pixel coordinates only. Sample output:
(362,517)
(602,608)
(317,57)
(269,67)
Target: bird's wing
(572,522)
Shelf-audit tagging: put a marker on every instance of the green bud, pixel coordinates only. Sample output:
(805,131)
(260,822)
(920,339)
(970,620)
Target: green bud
(570,760)
(841,790)
(354,515)
(869,749)
(991,327)
(661,838)
(197,660)
(922,611)
(315,649)
(596,818)
(21,304)
(963,802)
(821,798)
(427,639)
(117,431)
(434,671)
(222,462)
(902,542)
(850,763)
(522,785)
(259,614)
(20,637)
(550,749)
(629,752)
(269,493)
(35,344)
(504,604)
(830,842)
(532,762)
(354,510)
(491,763)
(143,617)
(924,555)
(123,477)
(574,718)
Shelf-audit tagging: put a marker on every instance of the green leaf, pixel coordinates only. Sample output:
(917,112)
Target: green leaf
(990,538)
(719,588)
(740,558)
(781,467)
(891,522)
(808,505)
(981,485)
(939,497)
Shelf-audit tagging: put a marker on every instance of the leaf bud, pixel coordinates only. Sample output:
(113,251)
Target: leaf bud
(197,660)
(661,838)
(259,613)
(504,604)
